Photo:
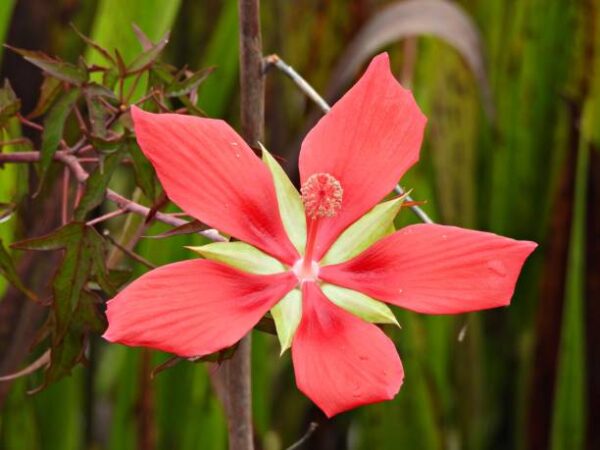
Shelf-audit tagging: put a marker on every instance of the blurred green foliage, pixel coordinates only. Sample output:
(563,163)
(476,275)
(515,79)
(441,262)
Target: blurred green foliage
(469,379)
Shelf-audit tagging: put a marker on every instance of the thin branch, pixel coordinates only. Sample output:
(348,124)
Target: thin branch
(82,125)
(29,123)
(16,141)
(136,80)
(42,361)
(107,105)
(415,208)
(145,97)
(310,92)
(123,203)
(90,159)
(65,195)
(311,429)
(107,216)
(128,252)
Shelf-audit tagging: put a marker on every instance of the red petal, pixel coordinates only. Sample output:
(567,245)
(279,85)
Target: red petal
(369,139)
(192,308)
(210,172)
(340,361)
(436,269)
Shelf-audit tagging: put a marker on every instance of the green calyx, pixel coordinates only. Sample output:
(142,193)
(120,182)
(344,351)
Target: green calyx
(291,208)
(376,224)
(359,304)
(287,314)
(241,256)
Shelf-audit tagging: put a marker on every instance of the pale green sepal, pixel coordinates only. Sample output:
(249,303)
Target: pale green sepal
(371,227)
(241,256)
(359,304)
(287,314)
(291,208)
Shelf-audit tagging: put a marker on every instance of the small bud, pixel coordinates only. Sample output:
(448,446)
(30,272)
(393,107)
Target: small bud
(322,195)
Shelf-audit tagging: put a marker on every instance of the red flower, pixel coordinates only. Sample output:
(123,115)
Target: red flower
(320,276)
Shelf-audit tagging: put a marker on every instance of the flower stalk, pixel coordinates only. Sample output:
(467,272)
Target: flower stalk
(237,369)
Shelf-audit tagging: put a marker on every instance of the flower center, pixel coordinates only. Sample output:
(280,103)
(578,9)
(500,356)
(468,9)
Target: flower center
(321,195)
(305,272)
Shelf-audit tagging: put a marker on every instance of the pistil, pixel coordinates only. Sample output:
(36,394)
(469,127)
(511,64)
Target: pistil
(322,197)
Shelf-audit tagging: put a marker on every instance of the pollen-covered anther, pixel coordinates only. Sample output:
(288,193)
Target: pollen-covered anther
(322,195)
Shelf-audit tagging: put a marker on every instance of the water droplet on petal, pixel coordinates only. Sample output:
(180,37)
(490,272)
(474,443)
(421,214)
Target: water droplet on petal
(444,236)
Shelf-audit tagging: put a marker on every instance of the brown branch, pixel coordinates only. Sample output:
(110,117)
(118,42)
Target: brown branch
(42,361)
(123,203)
(65,196)
(236,370)
(107,216)
(129,252)
(311,429)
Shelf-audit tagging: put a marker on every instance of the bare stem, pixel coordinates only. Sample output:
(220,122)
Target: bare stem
(65,196)
(107,216)
(310,92)
(129,252)
(311,429)
(123,203)
(252,92)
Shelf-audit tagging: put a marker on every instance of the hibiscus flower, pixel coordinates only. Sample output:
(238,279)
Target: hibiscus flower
(322,261)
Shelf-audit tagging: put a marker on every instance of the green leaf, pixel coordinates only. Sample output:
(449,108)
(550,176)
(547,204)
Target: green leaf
(162,74)
(6,211)
(50,89)
(9,103)
(568,418)
(54,126)
(106,145)
(291,208)
(287,314)
(61,70)
(144,40)
(364,232)
(53,241)
(69,350)
(110,77)
(144,172)
(84,248)
(241,256)
(188,85)
(7,269)
(101,50)
(97,90)
(97,115)
(58,69)
(96,185)
(191,106)
(187,228)
(146,59)
(6,9)
(359,304)
(222,51)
